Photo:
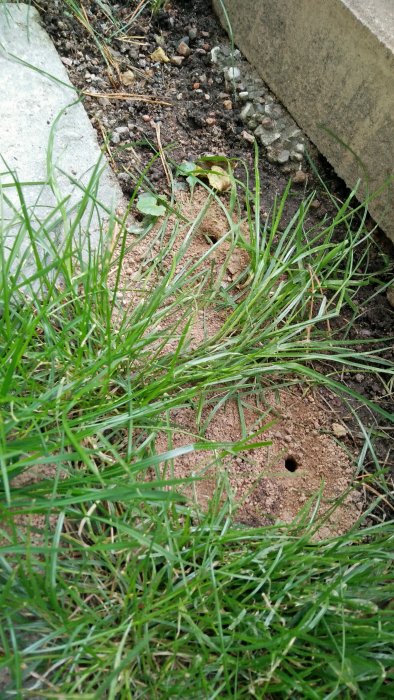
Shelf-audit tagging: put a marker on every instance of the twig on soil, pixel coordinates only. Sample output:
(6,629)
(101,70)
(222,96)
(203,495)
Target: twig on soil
(374,491)
(125,96)
(136,40)
(136,11)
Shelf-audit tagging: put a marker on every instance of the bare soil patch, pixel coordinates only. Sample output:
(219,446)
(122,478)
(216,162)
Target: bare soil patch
(271,484)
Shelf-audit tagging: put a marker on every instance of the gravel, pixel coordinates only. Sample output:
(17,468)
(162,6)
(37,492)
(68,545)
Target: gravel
(262,112)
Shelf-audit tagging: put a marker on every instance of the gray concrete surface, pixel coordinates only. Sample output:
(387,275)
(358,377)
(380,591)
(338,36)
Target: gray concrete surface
(30,102)
(331,63)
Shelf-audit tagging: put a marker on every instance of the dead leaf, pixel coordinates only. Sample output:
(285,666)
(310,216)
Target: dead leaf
(390,295)
(128,77)
(339,430)
(219,179)
(160,56)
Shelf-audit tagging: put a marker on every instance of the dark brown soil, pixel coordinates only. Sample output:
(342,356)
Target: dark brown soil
(197,119)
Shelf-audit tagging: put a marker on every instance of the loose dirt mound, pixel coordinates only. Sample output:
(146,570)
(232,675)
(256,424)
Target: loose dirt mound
(270,483)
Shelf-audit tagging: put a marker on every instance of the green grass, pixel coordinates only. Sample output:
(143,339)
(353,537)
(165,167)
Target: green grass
(113,586)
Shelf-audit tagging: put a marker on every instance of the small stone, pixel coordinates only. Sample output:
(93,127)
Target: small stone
(339,430)
(315,204)
(300,148)
(273,110)
(266,137)
(390,295)
(210,121)
(196,86)
(215,53)
(271,155)
(159,56)
(67,61)
(296,156)
(259,109)
(233,73)
(133,53)
(160,40)
(115,138)
(183,49)
(146,117)
(283,157)
(179,96)
(193,33)
(205,34)
(227,104)
(294,133)
(121,130)
(359,378)
(206,47)
(243,96)
(128,77)
(299,178)
(177,60)
(267,123)
(252,122)
(248,137)
(247,111)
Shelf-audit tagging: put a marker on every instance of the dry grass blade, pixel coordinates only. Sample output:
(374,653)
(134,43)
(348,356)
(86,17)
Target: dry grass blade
(162,155)
(126,96)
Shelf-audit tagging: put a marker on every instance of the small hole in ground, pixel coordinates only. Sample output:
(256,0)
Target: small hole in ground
(291,464)
(211,238)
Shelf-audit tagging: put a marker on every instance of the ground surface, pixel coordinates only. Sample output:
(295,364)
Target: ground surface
(198,114)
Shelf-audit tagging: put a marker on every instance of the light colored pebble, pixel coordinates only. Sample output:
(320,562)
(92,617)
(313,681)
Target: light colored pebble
(183,49)
(248,137)
(215,53)
(247,111)
(266,137)
(299,177)
(233,73)
(177,60)
(283,156)
(296,156)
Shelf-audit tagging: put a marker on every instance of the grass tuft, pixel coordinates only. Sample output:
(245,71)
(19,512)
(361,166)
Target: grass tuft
(113,585)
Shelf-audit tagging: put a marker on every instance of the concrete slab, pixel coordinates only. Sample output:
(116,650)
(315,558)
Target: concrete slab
(32,98)
(332,65)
